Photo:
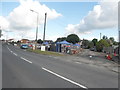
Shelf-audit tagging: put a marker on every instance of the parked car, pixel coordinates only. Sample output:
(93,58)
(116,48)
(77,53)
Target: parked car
(38,46)
(30,46)
(92,49)
(24,46)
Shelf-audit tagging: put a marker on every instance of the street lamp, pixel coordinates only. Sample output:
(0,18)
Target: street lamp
(36,27)
(44,27)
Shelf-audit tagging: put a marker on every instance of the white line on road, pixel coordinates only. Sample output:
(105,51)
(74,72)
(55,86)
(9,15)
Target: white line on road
(73,82)
(25,60)
(78,62)
(15,54)
(8,48)
(11,51)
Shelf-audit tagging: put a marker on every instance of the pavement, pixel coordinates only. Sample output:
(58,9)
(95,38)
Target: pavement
(94,61)
(23,69)
(97,59)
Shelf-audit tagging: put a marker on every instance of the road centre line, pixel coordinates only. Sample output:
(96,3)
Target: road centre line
(15,54)
(12,51)
(20,57)
(26,60)
(73,82)
(8,48)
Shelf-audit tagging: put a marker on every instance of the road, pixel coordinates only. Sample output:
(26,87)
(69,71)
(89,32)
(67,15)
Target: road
(23,69)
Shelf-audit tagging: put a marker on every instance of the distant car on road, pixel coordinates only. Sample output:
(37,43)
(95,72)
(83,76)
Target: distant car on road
(15,44)
(24,46)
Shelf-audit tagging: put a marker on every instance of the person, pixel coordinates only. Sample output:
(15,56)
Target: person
(114,53)
(66,49)
(109,57)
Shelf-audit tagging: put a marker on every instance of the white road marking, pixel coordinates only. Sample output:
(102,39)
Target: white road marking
(11,51)
(78,62)
(8,48)
(73,82)
(15,54)
(20,57)
(26,60)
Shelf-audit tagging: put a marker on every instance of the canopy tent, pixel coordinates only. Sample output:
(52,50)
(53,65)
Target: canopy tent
(76,44)
(46,43)
(58,45)
(63,42)
(57,42)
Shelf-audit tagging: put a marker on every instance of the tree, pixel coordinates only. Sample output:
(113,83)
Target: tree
(95,41)
(18,41)
(39,41)
(73,38)
(105,37)
(61,39)
(112,39)
(102,43)
(85,43)
(91,44)
(109,41)
(115,43)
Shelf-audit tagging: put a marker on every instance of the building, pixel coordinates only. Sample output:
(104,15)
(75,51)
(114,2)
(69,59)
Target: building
(10,40)
(24,41)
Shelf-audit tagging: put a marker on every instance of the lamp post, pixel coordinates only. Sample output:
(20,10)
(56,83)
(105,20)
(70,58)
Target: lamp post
(36,28)
(44,27)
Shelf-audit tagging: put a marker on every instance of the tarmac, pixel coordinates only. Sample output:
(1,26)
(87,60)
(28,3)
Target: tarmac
(96,59)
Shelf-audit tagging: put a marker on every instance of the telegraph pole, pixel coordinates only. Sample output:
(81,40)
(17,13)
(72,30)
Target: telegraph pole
(44,27)
(100,36)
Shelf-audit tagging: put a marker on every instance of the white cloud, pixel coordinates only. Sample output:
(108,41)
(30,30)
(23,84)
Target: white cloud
(21,19)
(4,23)
(103,16)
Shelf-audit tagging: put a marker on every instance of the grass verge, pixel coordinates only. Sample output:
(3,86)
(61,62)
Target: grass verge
(38,51)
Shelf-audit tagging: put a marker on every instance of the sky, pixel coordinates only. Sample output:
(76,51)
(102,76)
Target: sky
(86,19)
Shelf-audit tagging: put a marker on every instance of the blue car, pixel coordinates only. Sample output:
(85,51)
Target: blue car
(24,46)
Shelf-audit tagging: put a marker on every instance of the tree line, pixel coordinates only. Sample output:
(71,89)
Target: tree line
(98,45)
(87,44)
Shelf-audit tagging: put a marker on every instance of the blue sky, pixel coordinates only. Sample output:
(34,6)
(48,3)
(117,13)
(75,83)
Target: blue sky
(72,13)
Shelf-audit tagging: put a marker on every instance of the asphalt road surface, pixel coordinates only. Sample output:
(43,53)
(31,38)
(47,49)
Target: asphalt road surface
(23,69)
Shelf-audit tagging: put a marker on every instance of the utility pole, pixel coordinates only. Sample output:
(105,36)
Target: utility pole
(100,36)
(44,27)
(36,28)
(36,31)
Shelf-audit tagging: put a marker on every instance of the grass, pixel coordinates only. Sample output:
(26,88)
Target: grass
(38,51)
